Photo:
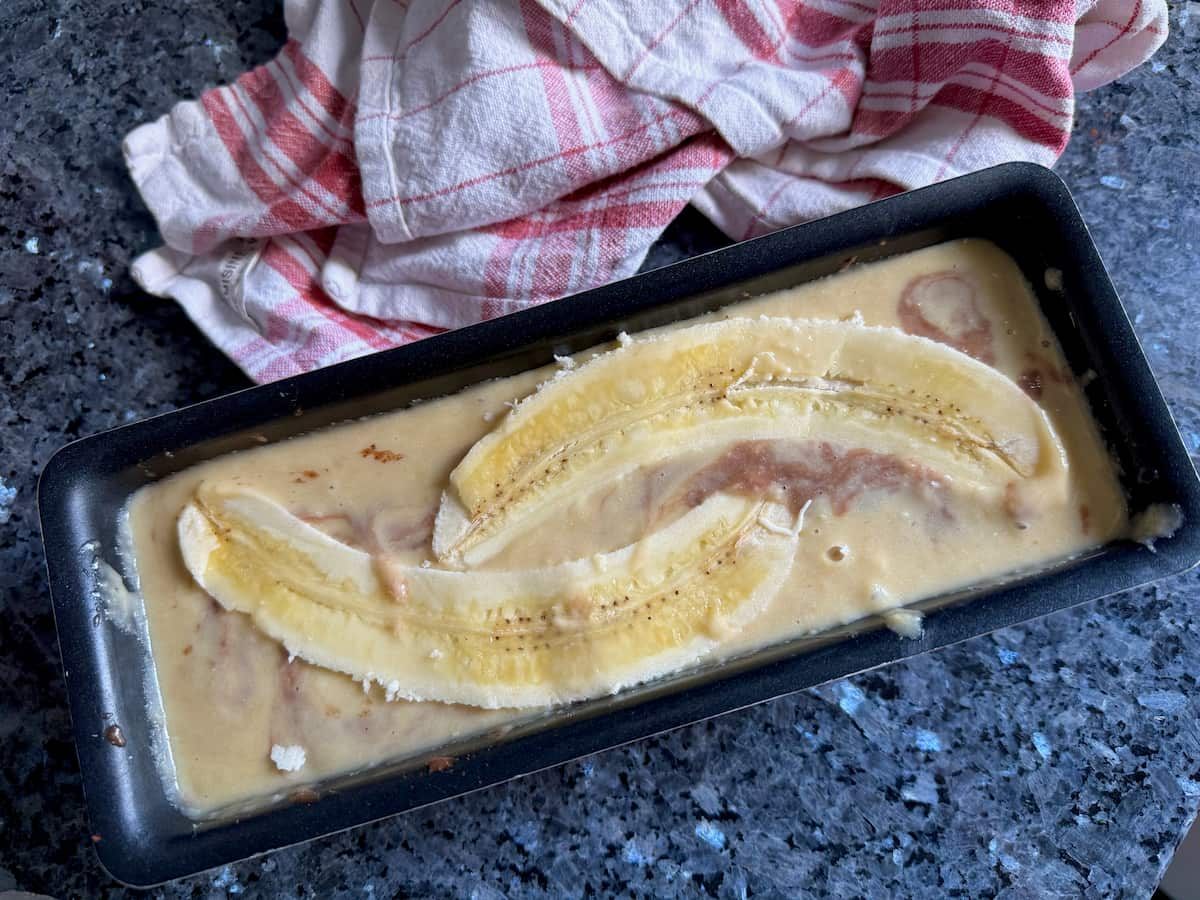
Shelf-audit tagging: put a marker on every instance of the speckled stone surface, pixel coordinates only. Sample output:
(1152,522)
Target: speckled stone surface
(1057,758)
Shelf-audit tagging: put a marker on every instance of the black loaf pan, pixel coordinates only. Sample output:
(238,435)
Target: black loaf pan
(1024,209)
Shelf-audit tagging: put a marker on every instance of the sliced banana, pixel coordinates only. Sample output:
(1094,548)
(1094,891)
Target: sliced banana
(492,639)
(741,379)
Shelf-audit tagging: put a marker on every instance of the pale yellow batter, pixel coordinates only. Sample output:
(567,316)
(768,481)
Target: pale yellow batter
(877,534)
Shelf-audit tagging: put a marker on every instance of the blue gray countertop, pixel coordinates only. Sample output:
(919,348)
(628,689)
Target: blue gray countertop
(1061,757)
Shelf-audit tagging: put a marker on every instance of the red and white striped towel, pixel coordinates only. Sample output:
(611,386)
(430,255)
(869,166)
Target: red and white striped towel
(406,167)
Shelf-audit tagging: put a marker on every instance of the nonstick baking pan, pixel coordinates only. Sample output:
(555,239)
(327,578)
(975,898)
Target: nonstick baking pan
(142,839)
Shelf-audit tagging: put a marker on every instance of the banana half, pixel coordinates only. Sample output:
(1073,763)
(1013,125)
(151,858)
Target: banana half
(492,639)
(743,379)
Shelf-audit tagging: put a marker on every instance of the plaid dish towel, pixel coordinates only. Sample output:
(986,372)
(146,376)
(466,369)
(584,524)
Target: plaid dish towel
(406,167)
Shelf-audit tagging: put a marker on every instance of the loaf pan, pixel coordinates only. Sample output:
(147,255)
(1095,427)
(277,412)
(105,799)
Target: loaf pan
(142,839)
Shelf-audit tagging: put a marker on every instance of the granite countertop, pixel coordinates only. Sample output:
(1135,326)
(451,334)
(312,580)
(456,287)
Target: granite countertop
(1058,757)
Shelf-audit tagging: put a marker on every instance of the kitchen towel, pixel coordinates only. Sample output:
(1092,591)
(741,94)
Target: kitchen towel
(407,166)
